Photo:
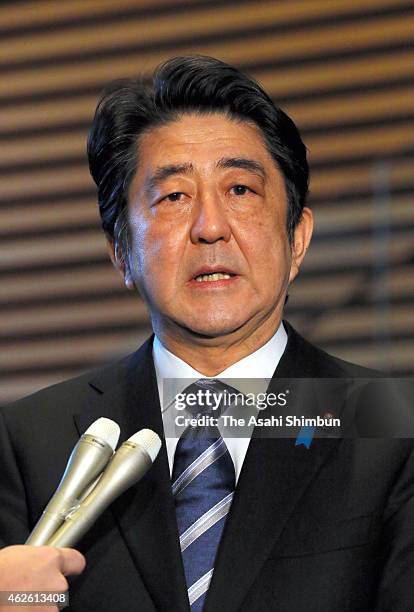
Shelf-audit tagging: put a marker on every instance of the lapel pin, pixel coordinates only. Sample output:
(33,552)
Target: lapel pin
(305,436)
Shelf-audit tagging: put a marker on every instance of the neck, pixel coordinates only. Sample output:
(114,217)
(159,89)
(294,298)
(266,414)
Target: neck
(210,356)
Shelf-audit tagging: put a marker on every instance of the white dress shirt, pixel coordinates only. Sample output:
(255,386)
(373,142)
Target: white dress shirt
(260,365)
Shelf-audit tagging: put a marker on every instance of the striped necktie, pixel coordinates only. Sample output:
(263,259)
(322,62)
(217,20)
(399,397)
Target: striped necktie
(203,487)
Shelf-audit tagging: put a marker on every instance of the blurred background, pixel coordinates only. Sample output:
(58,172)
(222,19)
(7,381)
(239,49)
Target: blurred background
(344,71)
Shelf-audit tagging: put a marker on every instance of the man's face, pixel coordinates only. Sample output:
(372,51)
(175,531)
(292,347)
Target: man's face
(207,216)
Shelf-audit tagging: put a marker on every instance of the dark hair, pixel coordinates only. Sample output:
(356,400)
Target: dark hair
(200,84)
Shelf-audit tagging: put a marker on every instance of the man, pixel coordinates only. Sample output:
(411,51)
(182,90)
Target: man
(202,183)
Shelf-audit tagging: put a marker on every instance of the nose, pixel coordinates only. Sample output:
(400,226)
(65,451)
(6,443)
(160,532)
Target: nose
(210,222)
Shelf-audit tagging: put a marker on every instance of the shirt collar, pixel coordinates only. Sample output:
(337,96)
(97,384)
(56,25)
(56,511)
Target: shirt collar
(261,365)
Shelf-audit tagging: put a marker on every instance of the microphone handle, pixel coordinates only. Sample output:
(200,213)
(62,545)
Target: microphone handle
(127,466)
(87,461)
(51,519)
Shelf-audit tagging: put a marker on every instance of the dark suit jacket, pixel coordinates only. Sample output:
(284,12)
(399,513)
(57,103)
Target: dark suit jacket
(329,528)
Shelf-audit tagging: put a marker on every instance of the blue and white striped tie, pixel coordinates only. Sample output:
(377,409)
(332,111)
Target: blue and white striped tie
(203,487)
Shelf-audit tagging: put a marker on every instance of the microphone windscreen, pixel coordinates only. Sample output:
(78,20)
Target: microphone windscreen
(148,440)
(106,429)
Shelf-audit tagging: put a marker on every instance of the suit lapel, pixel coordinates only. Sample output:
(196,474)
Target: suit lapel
(145,513)
(274,477)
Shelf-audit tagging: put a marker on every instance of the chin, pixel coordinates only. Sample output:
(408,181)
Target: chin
(215,327)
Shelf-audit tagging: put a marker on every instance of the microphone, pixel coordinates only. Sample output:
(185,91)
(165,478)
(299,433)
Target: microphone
(86,462)
(128,465)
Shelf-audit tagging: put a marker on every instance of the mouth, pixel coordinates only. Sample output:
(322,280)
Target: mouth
(213,276)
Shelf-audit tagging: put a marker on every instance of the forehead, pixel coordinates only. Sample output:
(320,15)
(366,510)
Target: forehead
(201,139)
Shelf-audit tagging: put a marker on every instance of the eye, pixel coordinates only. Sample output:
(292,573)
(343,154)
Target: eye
(174,197)
(241,190)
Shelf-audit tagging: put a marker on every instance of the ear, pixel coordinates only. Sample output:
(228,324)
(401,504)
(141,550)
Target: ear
(119,263)
(301,239)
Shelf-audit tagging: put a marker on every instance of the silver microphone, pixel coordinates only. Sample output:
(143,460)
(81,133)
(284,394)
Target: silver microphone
(86,462)
(130,462)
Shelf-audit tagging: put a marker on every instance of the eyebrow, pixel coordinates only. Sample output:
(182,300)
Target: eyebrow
(164,172)
(251,165)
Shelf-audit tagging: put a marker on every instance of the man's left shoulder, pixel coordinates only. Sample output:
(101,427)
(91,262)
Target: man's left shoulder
(314,362)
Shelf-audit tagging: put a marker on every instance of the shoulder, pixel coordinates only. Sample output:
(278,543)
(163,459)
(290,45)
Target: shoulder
(315,362)
(68,396)
(380,404)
